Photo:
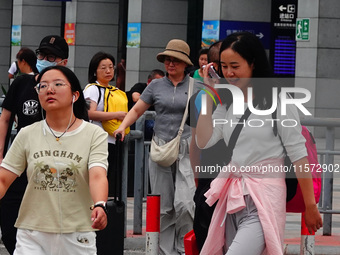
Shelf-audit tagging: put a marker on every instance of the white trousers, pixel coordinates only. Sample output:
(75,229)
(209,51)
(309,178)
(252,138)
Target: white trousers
(176,186)
(30,242)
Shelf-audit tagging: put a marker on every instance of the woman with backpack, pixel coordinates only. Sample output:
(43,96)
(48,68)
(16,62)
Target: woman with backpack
(251,207)
(103,111)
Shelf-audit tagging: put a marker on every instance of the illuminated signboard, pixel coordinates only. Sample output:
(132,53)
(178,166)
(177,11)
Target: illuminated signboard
(283,45)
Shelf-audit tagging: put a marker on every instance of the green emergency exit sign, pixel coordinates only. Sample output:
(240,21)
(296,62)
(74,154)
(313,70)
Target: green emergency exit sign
(302,29)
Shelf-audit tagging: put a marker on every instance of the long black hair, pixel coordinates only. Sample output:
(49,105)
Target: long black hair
(249,47)
(79,107)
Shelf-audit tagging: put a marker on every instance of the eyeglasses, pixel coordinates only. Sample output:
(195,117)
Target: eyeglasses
(174,61)
(42,55)
(104,68)
(55,85)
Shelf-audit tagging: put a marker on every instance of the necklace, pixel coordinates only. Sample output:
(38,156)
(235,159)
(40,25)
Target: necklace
(58,137)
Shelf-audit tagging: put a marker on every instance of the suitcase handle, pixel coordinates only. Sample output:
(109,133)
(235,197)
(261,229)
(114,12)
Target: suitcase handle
(118,170)
(118,137)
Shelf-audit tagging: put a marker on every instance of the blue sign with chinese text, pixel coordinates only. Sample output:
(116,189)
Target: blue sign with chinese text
(260,29)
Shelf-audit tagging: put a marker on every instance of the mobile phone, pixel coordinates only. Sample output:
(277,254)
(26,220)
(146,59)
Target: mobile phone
(212,72)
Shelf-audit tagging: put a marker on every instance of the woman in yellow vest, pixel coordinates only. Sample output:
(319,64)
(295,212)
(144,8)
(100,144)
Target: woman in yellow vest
(108,105)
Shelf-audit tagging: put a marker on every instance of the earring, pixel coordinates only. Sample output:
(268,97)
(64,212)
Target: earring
(94,74)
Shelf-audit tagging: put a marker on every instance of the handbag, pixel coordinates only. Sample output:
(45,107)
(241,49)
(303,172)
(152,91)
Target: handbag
(165,155)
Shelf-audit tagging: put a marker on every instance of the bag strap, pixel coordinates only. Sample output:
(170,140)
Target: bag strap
(275,130)
(100,94)
(99,90)
(237,130)
(274,115)
(110,87)
(291,180)
(185,115)
(99,86)
(276,133)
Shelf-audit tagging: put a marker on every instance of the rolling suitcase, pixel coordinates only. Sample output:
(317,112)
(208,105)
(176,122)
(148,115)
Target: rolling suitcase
(111,239)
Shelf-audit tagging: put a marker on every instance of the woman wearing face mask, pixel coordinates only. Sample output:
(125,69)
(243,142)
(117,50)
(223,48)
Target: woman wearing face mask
(249,217)
(22,100)
(65,198)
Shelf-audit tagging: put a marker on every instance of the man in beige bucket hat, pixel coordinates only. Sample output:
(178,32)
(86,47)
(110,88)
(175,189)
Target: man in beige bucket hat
(174,183)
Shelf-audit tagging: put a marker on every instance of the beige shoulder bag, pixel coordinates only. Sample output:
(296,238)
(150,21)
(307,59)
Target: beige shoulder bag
(165,155)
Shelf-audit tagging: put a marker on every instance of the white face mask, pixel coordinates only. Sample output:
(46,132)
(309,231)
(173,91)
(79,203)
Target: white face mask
(42,64)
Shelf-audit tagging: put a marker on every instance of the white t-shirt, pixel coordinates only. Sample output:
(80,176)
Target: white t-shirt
(256,144)
(92,93)
(257,141)
(13,68)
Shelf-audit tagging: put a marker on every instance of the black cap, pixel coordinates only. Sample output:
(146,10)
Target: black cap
(56,45)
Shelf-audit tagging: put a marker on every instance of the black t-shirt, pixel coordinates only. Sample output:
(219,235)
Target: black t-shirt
(22,100)
(138,87)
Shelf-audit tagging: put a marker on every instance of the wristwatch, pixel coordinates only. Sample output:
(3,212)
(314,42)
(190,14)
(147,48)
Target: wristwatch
(101,204)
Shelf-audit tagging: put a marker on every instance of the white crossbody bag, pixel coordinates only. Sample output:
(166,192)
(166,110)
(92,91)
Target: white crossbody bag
(165,155)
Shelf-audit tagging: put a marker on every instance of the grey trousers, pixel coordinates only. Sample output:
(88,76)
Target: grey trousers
(176,186)
(244,233)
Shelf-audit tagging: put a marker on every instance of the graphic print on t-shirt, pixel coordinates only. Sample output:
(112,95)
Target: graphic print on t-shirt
(48,177)
(30,107)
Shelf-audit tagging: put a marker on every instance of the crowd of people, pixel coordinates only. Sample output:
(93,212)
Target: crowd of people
(62,162)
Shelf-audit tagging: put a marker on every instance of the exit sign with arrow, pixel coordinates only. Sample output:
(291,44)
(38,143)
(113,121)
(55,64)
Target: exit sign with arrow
(302,29)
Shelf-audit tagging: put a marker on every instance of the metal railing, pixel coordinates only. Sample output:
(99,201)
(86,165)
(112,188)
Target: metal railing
(140,169)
